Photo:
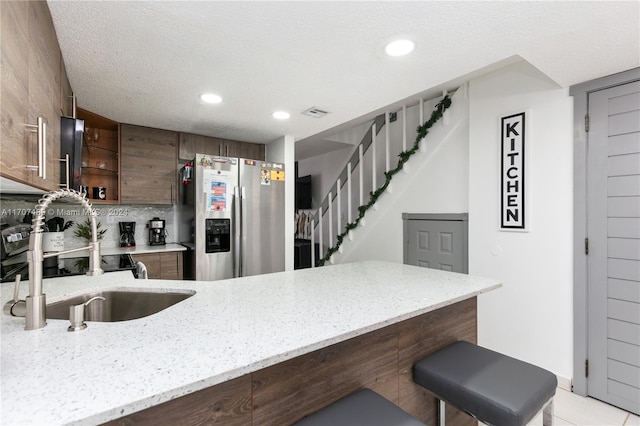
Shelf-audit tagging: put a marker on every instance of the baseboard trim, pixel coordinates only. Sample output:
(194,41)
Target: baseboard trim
(564,383)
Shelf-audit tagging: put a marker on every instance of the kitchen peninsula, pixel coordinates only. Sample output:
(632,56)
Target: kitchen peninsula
(260,350)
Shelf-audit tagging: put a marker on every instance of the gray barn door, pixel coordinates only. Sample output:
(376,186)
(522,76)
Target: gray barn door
(438,241)
(613,265)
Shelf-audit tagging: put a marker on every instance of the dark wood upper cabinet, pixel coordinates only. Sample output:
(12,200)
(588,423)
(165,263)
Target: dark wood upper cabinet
(149,163)
(191,144)
(33,84)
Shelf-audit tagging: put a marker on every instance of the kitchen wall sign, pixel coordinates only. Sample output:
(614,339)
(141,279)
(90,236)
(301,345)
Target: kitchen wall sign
(513,192)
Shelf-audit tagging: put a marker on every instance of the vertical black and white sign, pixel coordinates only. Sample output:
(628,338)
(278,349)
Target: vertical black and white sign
(512,177)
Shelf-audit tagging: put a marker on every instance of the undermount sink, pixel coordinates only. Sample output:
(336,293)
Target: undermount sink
(119,304)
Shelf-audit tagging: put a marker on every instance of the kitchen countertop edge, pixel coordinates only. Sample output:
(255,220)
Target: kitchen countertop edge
(463,287)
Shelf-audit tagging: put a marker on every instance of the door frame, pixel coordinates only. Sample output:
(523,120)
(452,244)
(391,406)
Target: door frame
(580,93)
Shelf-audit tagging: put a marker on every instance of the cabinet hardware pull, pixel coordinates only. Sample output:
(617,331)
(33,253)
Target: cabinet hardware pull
(66,168)
(41,130)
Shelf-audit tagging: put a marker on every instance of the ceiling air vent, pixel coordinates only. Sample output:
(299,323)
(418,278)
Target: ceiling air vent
(315,112)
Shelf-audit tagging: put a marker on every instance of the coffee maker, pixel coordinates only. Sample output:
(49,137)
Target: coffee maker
(127,234)
(156,232)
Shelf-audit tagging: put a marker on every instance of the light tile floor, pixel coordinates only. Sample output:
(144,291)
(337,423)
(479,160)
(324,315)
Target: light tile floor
(572,409)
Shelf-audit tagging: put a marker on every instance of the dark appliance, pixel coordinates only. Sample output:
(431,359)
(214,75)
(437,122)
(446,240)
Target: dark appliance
(303,192)
(157,232)
(15,242)
(71,134)
(218,237)
(127,234)
(99,192)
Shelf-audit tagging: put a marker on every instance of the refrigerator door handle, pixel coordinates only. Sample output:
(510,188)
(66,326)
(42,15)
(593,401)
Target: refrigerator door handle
(237,232)
(243,236)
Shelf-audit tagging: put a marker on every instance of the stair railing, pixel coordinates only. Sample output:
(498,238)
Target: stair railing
(357,162)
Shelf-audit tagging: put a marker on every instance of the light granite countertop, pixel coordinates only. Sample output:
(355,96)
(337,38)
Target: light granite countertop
(227,329)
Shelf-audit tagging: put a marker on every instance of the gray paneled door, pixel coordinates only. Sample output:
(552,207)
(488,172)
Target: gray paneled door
(437,241)
(613,266)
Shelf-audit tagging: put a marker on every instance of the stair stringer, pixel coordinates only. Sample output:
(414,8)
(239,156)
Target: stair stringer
(434,180)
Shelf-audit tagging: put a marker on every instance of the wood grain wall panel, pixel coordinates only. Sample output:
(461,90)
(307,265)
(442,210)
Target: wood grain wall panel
(381,360)
(420,336)
(293,389)
(227,404)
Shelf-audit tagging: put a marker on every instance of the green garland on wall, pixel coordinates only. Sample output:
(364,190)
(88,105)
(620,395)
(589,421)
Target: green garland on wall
(438,112)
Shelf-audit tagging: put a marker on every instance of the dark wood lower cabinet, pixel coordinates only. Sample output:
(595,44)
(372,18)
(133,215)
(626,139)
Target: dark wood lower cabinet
(165,266)
(381,360)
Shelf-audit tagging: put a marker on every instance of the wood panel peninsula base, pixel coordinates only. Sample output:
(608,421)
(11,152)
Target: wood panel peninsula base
(279,395)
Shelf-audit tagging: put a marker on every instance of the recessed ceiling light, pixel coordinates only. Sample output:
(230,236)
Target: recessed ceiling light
(281,115)
(211,98)
(399,47)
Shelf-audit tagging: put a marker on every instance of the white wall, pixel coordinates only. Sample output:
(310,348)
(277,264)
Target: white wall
(282,151)
(435,180)
(324,170)
(530,317)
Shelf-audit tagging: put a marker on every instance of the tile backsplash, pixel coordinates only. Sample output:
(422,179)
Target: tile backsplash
(14,208)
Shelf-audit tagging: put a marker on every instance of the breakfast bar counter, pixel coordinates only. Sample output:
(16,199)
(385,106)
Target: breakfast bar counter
(280,344)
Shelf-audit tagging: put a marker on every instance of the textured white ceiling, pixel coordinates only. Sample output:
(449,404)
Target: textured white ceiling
(146,62)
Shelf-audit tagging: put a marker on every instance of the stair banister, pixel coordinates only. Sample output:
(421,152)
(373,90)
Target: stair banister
(330,209)
(387,159)
(338,205)
(374,140)
(319,233)
(357,158)
(361,172)
(349,192)
(404,128)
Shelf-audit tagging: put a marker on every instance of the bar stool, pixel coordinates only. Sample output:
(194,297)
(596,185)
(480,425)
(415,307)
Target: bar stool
(492,387)
(361,408)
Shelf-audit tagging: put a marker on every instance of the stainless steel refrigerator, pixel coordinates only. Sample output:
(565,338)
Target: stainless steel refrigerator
(238,217)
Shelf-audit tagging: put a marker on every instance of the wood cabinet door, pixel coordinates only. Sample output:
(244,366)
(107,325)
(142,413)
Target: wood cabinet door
(151,262)
(148,165)
(17,142)
(253,151)
(191,144)
(31,88)
(231,148)
(171,265)
(166,266)
(44,89)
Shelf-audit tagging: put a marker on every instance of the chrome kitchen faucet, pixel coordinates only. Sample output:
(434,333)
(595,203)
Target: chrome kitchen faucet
(35,302)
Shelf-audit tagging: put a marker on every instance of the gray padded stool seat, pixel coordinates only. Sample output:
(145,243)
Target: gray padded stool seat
(494,388)
(361,408)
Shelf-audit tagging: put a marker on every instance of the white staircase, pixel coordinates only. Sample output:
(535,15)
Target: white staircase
(433,180)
